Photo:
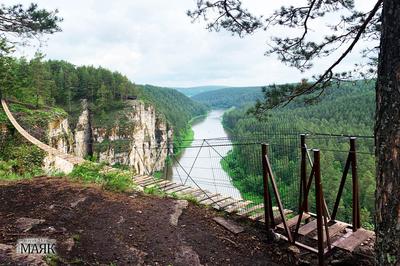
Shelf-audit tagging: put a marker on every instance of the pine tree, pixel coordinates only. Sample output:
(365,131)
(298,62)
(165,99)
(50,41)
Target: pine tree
(381,23)
(40,79)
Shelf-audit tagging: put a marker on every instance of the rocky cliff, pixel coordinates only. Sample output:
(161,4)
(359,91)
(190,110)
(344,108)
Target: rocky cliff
(138,139)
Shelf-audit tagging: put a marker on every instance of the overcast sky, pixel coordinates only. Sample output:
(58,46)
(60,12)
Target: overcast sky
(154,42)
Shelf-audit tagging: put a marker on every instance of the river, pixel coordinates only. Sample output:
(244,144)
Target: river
(206,171)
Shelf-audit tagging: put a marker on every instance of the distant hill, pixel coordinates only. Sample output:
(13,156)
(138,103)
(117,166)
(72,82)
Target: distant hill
(191,91)
(229,97)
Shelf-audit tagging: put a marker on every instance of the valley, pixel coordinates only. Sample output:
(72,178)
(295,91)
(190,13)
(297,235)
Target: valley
(202,158)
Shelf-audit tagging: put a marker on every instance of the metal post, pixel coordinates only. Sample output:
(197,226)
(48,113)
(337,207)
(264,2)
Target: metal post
(319,209)
(356,203)
(267,196)
(303,174)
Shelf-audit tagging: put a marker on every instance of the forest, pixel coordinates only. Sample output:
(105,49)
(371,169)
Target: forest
(191,91)
(49,89)
(62,84)
(348,111)
(228,97)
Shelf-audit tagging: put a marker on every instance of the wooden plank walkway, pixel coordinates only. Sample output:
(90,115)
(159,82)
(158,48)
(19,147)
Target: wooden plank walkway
(334,230)
(293,221)
(352,240)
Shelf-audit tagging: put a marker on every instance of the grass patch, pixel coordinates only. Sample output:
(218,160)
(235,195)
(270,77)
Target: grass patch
(8,171)
(117,181)
(54,260)
(155,191)
(190,198)
(159,174)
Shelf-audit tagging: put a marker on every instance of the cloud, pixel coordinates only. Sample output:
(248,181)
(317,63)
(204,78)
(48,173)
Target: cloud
(154,42)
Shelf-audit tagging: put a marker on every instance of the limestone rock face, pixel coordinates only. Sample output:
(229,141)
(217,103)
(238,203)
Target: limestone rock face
(83,133)
(141,143)
(139,140)
(60,135)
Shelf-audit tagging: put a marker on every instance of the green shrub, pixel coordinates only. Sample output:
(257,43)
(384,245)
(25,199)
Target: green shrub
(20,161)
(89,172)
(117,181)
(7,171)
(190,198)
(28,159)
(154,190)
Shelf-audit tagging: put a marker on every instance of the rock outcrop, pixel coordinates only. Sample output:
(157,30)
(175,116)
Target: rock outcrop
(83,133)
(139,140)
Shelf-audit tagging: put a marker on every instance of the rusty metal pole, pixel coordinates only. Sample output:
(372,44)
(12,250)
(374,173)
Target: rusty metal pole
(303,174)
(319,209)
(356,202)
(267,196)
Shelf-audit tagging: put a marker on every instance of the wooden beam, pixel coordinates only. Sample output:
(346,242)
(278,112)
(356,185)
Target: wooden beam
(249,210)
(228,203)
(238,205)
(334,229)
(230,225)
(172,187)
(160,184)
(177,189)
(353,240)
(292,221)
(207,197)
(308,228)
(215,201)
(154,182)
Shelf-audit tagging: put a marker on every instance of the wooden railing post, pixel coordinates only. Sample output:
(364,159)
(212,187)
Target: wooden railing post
(267,196)
(356,202)
(303,201)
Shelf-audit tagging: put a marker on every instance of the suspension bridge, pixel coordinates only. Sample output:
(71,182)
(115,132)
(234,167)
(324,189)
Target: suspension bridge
(318,232)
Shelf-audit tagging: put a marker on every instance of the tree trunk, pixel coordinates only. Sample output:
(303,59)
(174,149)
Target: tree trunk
(387,137)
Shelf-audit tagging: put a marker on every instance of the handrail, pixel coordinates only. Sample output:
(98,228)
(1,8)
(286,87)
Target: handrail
(70,158)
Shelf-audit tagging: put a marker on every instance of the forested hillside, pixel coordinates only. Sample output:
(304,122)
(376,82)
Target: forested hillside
(191,91)
(176,107)
(52,89)
(346,110)
(229,97)
(59,83)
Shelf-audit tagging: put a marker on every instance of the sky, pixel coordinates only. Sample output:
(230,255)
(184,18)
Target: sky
(155,42)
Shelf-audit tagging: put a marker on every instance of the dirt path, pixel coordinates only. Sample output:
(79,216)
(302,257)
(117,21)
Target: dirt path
(93,227)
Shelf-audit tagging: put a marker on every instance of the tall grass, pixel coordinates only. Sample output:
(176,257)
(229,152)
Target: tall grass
(117,180)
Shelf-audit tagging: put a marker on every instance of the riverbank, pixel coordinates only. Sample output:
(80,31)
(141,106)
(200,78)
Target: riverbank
(187,135)
(200,165)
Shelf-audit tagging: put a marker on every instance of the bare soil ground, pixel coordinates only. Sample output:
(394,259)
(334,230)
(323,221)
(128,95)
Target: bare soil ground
(94,227)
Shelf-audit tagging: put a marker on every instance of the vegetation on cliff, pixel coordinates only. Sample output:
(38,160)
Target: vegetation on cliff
(46,88)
